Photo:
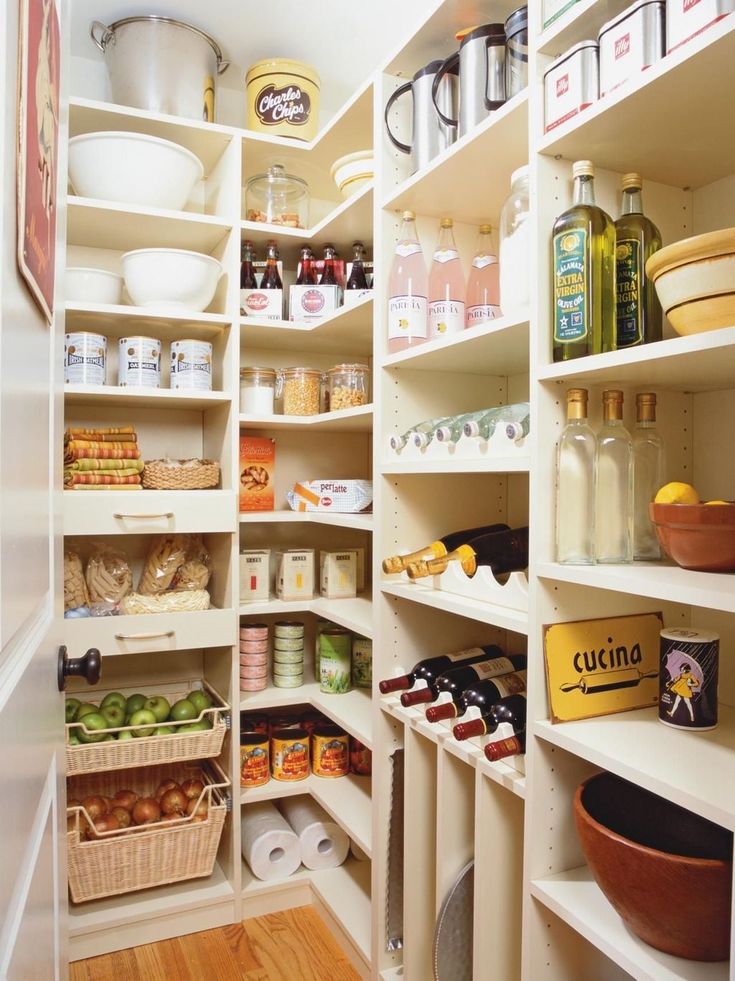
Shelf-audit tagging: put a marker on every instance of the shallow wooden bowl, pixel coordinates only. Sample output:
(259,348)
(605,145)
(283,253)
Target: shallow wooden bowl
(697,536)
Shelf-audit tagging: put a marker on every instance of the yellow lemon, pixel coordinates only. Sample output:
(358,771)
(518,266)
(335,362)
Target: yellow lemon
(677,493)
(717,502)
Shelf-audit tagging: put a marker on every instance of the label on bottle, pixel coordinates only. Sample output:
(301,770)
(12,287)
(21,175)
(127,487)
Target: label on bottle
(445,255)
(481,313)
(493,667)
(446,317)
(480,261)
(509,684)
(407,317)
(407,248)
(628,310)
(570,286)
(464,655)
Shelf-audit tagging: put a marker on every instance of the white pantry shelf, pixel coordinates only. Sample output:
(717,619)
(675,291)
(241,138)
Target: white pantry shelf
(358,522)
(358,419)
(517,463)
(345,892)
(580,22)
(118,320)
(351,710)
(348,331)
(499,347)
(472,609)
(148,398)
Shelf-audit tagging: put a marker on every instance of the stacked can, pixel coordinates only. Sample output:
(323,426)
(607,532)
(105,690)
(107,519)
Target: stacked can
(254,657)
(288,654)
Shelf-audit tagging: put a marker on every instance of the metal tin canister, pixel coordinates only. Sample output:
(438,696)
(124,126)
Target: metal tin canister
(191,365)
(139,362)
(254,631)
(335,661)
(289,657)
(571,84)
(85,358)
(688,678)
(288,628)
(290,754)
(254,753)
(630,42)
(284,644)
(362,662)
(283,98)
(253,722)
(330,752)
(361,758)
(684,19)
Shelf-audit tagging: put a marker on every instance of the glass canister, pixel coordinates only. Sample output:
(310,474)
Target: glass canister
(300,388)
(516,52)
(257,391)
(348,386)
(515,247)
(277,198)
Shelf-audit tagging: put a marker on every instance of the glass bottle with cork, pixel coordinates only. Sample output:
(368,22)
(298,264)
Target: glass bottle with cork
(613,485)
(648,476)
(638,311)
(575,485)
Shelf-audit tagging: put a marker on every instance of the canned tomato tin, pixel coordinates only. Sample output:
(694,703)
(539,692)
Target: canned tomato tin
(362,662)
(253,722)
(254,631)
(85,359)
(687,18)
(330,752)
(571,84)
(139,362)
(283,98)
(191,365)
(254,767)
(630,42)
(361,758)
(288,629)
(688,678)
(289,754)
(312,720)
(335,661)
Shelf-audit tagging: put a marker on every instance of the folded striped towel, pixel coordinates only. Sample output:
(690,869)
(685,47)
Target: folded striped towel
(93,444)
(129,466)
(104,487)
(107,453)
(124,432)
(72,477)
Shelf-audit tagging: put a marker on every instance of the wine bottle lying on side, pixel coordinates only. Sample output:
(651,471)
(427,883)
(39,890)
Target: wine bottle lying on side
(501,551)
(510,709)
(442,546)
(514,746)
(430,668)
(484,693)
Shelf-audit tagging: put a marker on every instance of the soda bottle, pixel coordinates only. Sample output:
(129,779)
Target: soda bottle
(329,277)
(357,280)
(483,284)
(408,290)
(307,272)
(446,285)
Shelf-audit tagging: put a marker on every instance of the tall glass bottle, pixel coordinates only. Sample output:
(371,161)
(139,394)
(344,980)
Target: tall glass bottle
(357,279)
(446,285)
(248,281)
(638,312)
(329,275)
(408,290)
(575,485)
(648,476)
(482,301)
(271,277)
(307,275)
(613,485)
(583,273)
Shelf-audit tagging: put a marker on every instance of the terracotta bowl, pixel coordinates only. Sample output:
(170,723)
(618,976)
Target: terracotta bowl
(666,871)
(697,536)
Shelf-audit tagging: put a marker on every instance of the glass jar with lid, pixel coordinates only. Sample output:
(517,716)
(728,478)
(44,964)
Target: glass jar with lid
(277,198)
(515,247)
(257,391)
(300,388)
(348,386)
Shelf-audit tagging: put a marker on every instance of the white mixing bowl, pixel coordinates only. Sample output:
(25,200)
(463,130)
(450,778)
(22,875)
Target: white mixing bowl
(132,168)
(86,285)
(171,278)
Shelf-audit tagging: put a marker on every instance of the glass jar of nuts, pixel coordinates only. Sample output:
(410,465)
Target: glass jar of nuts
(300,390)
(348,386)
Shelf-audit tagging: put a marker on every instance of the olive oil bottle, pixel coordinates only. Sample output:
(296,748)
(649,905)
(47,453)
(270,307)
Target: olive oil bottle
(583,273)
(638,312)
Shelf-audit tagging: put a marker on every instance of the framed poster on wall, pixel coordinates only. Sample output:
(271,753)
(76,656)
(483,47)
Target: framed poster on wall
(38,147)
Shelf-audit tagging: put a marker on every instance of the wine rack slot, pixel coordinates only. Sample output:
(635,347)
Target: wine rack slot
(455,822)
(420,855)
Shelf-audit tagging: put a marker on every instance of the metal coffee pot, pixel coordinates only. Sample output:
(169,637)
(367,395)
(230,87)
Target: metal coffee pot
(481,62)
(430,99)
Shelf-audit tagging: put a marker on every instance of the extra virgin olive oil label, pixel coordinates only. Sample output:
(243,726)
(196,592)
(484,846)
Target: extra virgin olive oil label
(628,300)
(570,287)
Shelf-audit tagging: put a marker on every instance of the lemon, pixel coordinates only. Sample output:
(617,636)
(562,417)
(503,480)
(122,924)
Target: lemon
(677,493)
(717,502)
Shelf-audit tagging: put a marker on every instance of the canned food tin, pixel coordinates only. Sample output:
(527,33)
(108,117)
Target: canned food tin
(276,722)
(362,662)
(85,359)
(361,758)
(330,752)
(288,670)
(630,42)
(253,671)
(289,657)
(251,660)
(335,661)
(288,681)
(254,684)
(571,84)
(139,362)
(253,722)
(685,19)
(254,766)
(312,720)
(288,628)
(290,754)
(688,678)
(253,646)
(254,631)
(288,643)
(283,98)
(191,365)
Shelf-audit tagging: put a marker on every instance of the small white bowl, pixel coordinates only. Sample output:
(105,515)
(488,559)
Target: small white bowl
(171,278)
(132,168)
(86,285)
(352,172)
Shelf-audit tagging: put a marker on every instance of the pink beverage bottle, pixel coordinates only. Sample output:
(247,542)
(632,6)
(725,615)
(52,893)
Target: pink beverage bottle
(446,285)
(408,290)
(483,284)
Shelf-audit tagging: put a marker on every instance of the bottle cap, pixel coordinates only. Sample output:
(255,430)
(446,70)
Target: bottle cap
(583,168)
(435,713)
(394,684)
(446,223)
(485,229)
(464,730)
(409,698)
(577,395)
(408,216)
(645,398)
(629,182)
(612,395)
(502,748)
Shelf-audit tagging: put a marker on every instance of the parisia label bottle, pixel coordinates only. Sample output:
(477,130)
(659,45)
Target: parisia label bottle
(638,312)
(408,290)
(482,302)
(441,546)
(446,285)
(575,485)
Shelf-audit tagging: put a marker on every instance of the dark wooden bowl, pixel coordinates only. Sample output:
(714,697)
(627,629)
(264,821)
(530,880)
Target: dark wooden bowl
(666,871)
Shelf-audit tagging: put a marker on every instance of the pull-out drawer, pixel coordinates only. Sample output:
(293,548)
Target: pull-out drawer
(151,632)
(143,512)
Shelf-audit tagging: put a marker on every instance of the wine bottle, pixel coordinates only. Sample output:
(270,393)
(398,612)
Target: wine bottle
(430,693)
(399,440)
(502,748)
(480,684)
(638,310)
(511,708)
(429,668)
(502,551)
(518,430)
(442,546)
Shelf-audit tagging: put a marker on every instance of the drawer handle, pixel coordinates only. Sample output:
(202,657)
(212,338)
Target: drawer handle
(149,636)
(161,514)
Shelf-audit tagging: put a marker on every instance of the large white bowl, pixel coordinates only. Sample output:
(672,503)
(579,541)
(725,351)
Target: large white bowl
(353,172)
(171,278)
(86,285)
(133,168)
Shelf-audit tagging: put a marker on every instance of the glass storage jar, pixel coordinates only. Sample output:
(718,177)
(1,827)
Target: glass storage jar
(348,386)
(515,247)
(277,198)
(257,391)
(300,389)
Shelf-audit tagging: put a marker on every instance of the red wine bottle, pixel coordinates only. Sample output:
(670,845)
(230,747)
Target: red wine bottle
(442,546)
(502,551)
(430,668)
(514,746)
(510,709)
(482,684)
(431,692)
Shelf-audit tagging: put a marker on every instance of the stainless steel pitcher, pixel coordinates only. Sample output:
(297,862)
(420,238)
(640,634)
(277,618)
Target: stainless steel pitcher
(431,134)
(481,62)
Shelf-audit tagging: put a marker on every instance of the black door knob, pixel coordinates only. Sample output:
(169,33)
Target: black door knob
(88,667)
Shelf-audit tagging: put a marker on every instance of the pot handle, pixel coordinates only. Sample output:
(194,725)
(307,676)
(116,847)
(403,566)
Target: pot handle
(451,62)
(406,87)
(105,34)
(491,104)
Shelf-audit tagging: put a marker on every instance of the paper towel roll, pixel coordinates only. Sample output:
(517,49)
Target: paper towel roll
(358,853)
(269,845)
(324,845)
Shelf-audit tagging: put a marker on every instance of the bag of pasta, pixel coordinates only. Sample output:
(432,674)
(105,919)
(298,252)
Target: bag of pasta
(196,570)
(109,576)
(75,586)
(165,555)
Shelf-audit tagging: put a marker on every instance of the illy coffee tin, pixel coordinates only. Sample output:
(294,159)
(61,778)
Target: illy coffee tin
(571,84)
(191,365)
(139,362)
(688,678)
(85,358)
(630,43)
(686,19)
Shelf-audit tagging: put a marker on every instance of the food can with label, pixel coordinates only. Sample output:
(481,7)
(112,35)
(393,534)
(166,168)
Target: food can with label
(85,358)
(139,362)
(254,631)
(362,662)
(335,661)
(571,84)
(191,365)
(361,758)
(254,753)
(288,670)
(284,644)
(283,98)
(330,752)
(289,657)
(630,43)
(688,678)
(290,754)
(288,629)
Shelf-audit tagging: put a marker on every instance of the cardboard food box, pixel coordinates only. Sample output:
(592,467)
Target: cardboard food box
(295,575)
(338,574)
(310,303)
(254,575)
(257,473)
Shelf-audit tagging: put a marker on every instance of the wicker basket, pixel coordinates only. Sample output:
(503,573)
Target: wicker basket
(138,858)
(152,750)
(180,474)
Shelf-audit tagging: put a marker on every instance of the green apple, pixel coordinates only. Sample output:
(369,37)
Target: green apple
(134,704)
(114,714)
(183,711)
(199,726)
(143,718)
(73,739)
(159,706)
(125,734)
(165,731)
(114,698)
(93,721)
(200,699)
(84,709)
(70,708)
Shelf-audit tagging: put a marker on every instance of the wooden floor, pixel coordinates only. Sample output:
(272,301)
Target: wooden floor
(291,946)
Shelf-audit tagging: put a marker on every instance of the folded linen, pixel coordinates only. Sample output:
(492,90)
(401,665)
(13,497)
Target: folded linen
(127,434)
(93,444)
(101,453)
(104,487)
(72,477)
(130,466)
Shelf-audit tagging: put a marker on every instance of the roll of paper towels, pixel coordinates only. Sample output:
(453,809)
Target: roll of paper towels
(269,845)
(358,853)
(324,845)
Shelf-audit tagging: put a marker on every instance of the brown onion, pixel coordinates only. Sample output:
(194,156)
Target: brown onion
(126,799)
(192,788)
(198,808)
(95,807)
(163,787)
(146,811)
(174,801)
(122,815)
(108,822)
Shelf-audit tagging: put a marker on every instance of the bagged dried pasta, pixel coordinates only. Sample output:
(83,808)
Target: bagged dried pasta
(165,556)
(75,585)
(109,576)
(195,572)
(341,496)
